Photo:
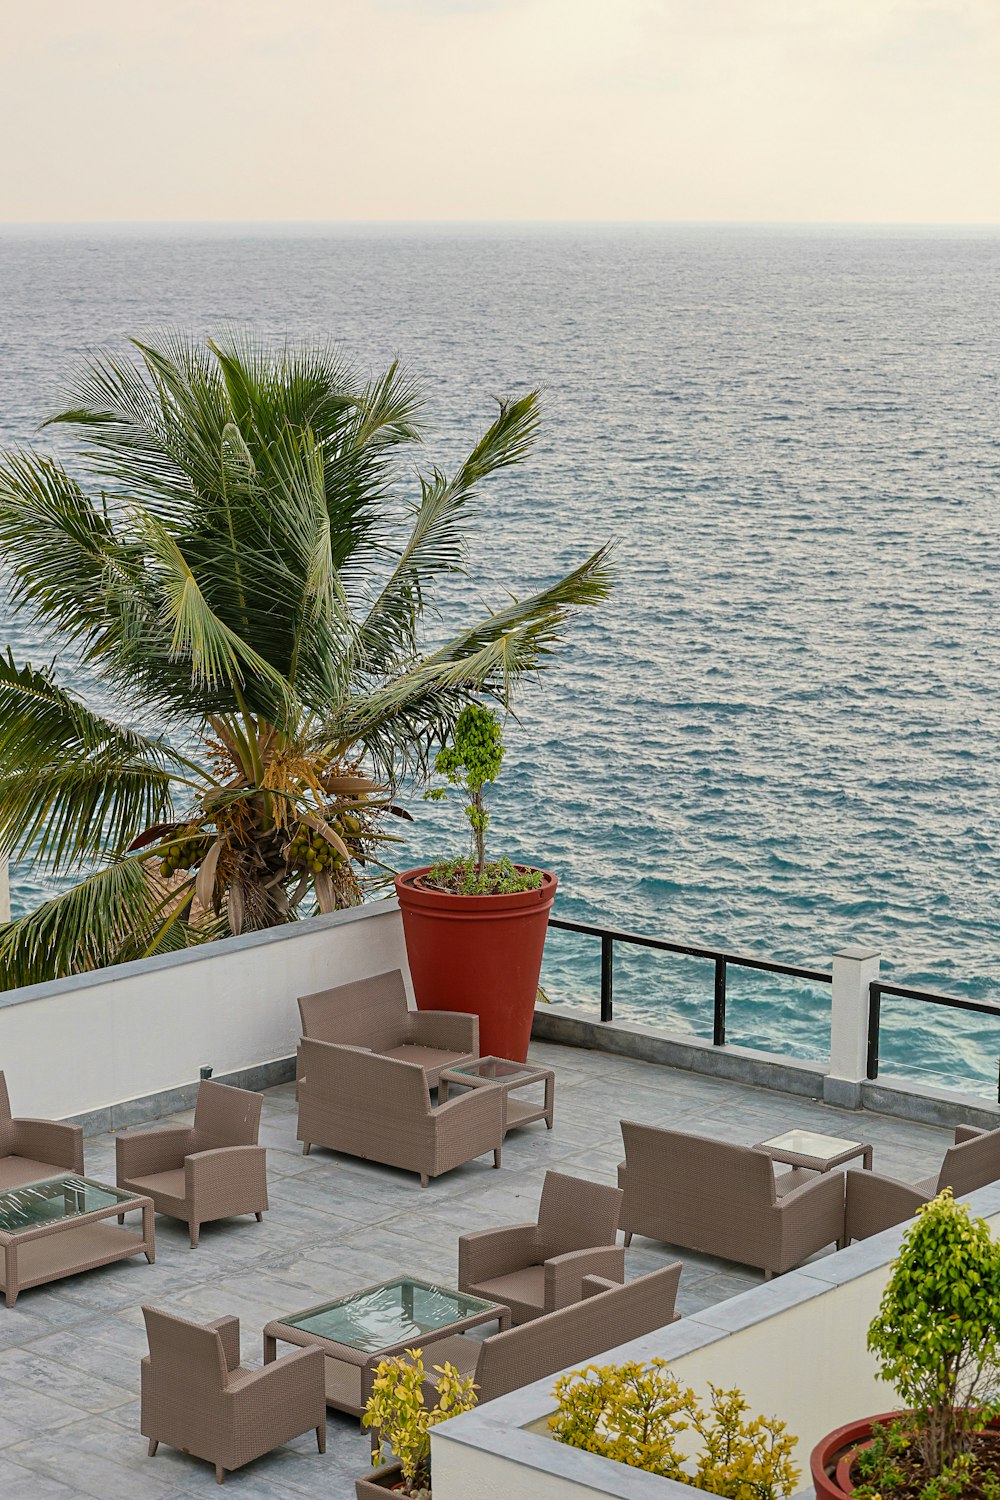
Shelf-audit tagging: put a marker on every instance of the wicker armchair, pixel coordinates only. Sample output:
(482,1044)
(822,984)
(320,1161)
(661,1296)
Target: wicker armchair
(537,1268)
(607,1314)
(373,1013)
(379,1108)
(724,1200)
(875,1202)
(197,1397)
(211,1170)
(31,1150)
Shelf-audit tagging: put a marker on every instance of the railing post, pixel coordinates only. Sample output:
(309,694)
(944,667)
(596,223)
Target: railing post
(607,975)
(719,1010)
(854,969)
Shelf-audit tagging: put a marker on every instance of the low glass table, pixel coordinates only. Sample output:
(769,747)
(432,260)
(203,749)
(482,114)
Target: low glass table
(815,1151)
(357,1331)
(56,1227)
(500,1072)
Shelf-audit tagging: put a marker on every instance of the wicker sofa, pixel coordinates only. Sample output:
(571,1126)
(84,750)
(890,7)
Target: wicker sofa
(373,1013)
(875,1202)
(609,1314)
(379,1108)
(31,1150)
(725,1200)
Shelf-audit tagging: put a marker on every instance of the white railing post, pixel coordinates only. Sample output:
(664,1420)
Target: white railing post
(853,971)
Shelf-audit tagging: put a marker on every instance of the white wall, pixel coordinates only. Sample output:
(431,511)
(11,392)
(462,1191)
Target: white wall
(94,1040)
(807,1364)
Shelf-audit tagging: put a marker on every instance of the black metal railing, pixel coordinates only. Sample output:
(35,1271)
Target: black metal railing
(929,997)
(723,961)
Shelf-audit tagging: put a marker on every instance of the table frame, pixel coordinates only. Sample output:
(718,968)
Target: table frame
(821,1164)
(516,1113)
(366,1360)
(116,1244)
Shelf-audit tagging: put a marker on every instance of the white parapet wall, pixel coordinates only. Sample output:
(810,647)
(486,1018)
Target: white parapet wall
(78,1046)
(795,1346)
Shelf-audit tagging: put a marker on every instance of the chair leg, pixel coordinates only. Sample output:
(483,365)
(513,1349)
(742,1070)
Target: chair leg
(121,1218)
(768,1275)
(220,1473)
(195,1230)
(259,1217)
(628,1238)
(496,1157)
(154,1443)
(306,1145)
(321,1437)
(423,1179)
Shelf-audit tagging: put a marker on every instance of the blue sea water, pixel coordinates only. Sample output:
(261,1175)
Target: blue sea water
(781,734)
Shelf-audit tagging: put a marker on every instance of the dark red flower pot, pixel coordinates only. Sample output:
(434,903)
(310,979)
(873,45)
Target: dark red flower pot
(481,954)
(833,1455)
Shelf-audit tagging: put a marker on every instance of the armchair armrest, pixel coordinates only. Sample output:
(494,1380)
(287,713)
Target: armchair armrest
(226,1180)
(592,1286)
(967,1133)
(49,1140)
(875,1203)
(229,1332)
(296,1377)
(451,1030)
(494,1252)
(486,1107)
(564,1273)
(140,1153)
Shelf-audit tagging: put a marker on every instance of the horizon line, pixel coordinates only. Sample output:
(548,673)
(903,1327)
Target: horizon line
(744,223)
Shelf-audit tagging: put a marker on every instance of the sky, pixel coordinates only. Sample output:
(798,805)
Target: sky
(882,111)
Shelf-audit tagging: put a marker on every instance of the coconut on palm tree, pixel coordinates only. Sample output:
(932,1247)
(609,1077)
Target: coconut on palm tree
(248,586)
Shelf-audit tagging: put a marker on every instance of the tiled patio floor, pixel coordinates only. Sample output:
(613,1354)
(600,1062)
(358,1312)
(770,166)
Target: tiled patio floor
(69,1352)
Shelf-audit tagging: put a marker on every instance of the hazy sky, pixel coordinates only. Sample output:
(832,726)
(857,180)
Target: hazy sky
(884,110)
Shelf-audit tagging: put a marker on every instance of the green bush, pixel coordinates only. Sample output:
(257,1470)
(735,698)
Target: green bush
(634,1413)
(472,761)
(936,1338)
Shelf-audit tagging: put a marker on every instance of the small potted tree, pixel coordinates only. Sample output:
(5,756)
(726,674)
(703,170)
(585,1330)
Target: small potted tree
(937,1342)
(635,1413)
(475,928)
(396,1409)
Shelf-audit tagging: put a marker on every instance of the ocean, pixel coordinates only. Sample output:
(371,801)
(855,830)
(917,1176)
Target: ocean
(780,736)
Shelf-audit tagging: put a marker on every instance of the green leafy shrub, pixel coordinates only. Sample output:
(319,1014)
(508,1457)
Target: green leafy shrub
(936,1338)
(634,1413)
(472,761)
(397,1408)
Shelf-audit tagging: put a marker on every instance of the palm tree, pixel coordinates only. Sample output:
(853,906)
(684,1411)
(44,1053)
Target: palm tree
(248,581)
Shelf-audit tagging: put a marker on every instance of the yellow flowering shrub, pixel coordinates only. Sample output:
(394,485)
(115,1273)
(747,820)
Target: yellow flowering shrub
(634,1413)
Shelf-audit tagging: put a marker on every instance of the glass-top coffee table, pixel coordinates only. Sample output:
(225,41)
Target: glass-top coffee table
(499,1072)
(366,1326)
(812,1149)
(56,1227)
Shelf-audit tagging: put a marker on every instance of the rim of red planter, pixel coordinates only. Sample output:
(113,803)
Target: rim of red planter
(837,1449)
(410,889)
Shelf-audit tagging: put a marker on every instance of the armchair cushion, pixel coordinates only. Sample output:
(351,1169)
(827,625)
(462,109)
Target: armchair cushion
(522,1291)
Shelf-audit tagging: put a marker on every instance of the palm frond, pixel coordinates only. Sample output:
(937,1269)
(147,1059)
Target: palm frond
(91,926)
(436,543)
(489,657)
(72,782)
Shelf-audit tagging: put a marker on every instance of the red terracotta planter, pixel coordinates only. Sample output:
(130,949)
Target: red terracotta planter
(481,954)
(832,1456)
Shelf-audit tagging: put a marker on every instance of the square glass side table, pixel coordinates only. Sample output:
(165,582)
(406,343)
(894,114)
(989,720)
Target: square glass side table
(815,1151)
(500,1072)
(357,1331)
(56,1227)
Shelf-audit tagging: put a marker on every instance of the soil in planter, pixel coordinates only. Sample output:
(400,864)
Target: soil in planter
(986,1455)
